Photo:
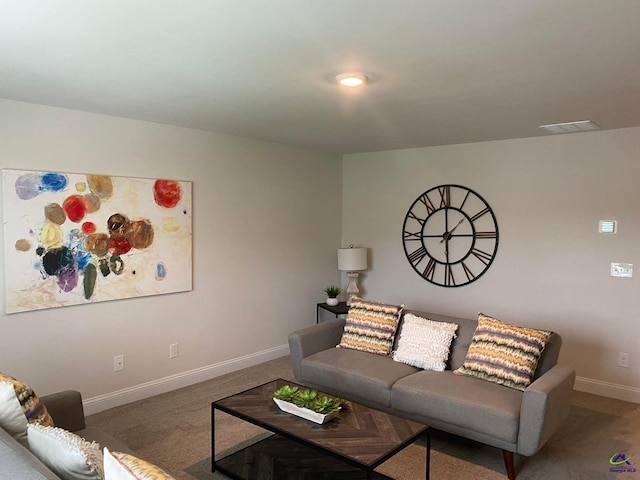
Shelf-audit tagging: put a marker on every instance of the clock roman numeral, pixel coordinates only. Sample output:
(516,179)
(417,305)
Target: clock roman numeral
(467,272)
(464,200)
(429,269)
(417,255)
(449,279)
(481,255)
(479,214)
(412,236)
(445,196)
(426,201)
(486,235)
(417,219)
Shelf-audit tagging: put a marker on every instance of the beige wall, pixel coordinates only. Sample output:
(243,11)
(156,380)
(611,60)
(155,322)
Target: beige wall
(266,226)
(552,266)
(267,222)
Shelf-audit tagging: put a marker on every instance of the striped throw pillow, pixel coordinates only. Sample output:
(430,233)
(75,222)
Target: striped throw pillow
(122,466)
(32,407)
(503,353)
(371,326)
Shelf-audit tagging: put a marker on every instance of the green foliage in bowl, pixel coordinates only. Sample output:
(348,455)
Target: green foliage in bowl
(332,291)
(308,399)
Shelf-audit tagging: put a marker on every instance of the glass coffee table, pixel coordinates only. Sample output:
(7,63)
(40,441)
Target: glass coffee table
(349,447)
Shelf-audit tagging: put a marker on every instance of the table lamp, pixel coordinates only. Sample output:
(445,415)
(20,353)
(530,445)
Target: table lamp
(352,260)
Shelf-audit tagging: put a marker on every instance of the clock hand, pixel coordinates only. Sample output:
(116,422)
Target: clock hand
(457,225)
(447,235)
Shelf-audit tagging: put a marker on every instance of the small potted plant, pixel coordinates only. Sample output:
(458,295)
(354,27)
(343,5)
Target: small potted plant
(332,292)
(307,403)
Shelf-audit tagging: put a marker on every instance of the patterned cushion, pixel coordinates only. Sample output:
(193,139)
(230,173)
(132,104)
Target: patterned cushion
(30,405)
(424,343)
(12,418)
(68,455)
(503,353)
(371,326)
(122,466)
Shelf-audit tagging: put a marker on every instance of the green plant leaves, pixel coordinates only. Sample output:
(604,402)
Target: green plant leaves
(308,399)
(332,291)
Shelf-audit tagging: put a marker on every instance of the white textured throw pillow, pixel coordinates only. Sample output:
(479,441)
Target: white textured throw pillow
(12,417)
(68,455)
(424,343)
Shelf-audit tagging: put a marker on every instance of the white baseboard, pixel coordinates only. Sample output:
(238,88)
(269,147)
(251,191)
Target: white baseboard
(155,387)
(606,389)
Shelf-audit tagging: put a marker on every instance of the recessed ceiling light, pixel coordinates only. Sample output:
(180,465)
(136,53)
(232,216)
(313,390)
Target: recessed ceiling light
(352,79)
(581,126)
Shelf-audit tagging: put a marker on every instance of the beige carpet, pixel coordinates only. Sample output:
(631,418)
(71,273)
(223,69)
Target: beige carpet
(173,430)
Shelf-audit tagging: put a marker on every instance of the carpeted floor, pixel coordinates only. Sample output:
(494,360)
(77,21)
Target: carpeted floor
(173,430)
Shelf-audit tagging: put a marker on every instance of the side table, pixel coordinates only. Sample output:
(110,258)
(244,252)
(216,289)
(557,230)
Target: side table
(341,309)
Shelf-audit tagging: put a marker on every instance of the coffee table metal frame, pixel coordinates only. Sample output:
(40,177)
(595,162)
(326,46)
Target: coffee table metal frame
(283,432)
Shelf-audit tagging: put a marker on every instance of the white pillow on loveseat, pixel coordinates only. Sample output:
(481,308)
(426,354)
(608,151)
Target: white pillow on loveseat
(70,456)
(424,343)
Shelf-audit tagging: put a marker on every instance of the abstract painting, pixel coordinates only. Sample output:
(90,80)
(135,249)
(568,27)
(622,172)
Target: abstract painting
(73,239)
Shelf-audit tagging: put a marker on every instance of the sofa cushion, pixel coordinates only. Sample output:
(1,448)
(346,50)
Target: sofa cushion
(459,400)
(122,466)
(503,353)
(28,405)
(67,454)
(32,406)
(354,375)
(371,326)
(424,343)
(17,462)
(100,436)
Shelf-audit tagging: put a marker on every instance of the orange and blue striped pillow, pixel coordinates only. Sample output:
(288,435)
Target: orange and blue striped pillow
(31,405)
(371,326)
(503,353)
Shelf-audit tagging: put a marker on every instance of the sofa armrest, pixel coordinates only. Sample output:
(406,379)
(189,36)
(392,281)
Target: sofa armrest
(66,409)
(545,406)
(314,339)
(18,462)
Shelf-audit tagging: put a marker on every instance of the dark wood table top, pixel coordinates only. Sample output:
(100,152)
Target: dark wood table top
(360,434)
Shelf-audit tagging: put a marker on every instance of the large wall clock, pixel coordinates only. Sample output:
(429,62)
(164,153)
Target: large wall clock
(450,235)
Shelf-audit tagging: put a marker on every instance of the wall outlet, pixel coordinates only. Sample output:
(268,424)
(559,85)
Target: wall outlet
(624,270)
(118,363)
(174,350)
(623,359)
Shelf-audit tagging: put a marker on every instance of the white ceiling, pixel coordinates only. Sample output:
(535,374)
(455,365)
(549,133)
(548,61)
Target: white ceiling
(442,71)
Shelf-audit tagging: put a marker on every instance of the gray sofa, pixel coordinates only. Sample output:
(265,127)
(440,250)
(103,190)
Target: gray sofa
(18,463)
(511,420)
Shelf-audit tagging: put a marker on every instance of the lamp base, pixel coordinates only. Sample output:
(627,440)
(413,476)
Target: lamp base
(352,288)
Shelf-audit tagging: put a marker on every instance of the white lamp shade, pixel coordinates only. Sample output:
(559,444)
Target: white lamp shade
(352,259)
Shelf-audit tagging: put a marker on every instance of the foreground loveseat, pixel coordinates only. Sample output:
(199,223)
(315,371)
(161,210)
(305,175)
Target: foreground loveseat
(18,462)
(512,420)
(32,448)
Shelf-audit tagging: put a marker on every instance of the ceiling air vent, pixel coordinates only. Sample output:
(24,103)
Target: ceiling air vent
(569,127)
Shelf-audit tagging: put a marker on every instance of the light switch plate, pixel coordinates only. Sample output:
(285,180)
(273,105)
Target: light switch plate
(624,270)
(608,226)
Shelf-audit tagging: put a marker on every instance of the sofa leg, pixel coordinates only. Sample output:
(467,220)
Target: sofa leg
(509,464)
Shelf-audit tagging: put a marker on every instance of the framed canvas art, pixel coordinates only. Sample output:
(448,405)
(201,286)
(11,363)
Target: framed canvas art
(73,239)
